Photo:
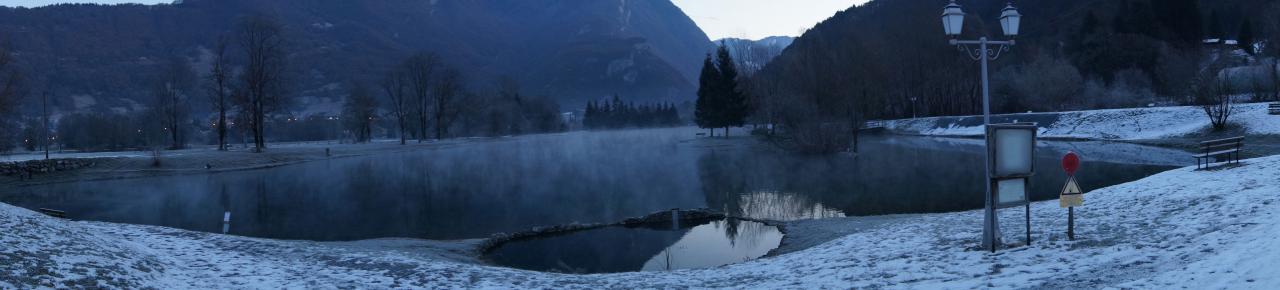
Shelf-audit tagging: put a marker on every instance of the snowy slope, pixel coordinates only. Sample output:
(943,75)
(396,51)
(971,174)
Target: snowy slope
(1183,227)
(1114,124)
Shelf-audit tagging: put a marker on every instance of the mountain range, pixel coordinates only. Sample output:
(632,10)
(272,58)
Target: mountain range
(106,57)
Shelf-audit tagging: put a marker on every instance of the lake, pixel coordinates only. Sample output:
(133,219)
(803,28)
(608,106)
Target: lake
(644,248)
(513,184)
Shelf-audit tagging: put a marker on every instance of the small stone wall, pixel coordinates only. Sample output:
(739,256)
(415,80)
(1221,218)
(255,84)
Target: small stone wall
(43,166)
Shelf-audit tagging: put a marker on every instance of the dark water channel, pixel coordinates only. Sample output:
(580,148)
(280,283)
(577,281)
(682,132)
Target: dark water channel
(647,248)
(513,184)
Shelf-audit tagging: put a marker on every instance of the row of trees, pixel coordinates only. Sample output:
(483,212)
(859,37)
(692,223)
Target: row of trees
(429,98)
(254,91)
(247,84)
(616,114)
(423,90)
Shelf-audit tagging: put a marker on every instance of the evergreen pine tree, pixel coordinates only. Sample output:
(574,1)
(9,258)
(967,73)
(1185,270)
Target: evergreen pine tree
(704,112)
(589,117)
(732,103)
(1088,26)
(1245,38)
(1215,26)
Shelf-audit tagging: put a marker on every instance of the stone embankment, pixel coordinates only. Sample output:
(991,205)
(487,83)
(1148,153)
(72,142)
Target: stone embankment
(44,166)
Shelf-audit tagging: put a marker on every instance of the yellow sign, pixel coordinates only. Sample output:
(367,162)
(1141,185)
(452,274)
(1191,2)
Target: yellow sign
(1071,195)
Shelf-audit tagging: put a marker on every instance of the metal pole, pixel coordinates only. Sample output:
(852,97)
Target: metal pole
(1071,223)
(990,226)
(44,130)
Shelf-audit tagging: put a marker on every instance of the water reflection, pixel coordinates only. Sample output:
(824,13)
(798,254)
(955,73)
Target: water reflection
(656,248)
(717,243)
(895,175)
(773,205)
(506,185)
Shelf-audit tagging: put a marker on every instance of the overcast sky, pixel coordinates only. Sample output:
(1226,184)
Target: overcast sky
(755,19)
(751,19)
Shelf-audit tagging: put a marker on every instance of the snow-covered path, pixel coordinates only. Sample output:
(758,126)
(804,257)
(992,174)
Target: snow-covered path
(1201,229)
(1112,124)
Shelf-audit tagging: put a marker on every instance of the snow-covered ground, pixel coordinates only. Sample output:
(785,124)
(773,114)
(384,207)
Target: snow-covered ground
(1115,124)
(1200,229)
(1104,151)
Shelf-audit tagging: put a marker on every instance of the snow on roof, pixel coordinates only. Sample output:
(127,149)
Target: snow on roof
(1220,41)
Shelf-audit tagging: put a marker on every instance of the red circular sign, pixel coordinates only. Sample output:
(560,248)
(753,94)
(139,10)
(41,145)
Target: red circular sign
(1071,162)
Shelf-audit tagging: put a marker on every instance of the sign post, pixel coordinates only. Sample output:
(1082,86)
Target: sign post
(1011,163)
(1071,195)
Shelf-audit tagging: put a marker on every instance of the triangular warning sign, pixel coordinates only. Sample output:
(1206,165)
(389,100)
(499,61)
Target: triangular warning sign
(1072,187)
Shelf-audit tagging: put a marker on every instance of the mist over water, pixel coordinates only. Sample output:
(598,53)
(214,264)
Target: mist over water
(479,188)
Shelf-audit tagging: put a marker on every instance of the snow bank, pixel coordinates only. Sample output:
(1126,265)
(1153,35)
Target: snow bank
(1115,124)
(1200,229)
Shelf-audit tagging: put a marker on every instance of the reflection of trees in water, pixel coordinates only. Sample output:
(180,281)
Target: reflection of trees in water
(703,246)
(774,205)
(749,234)
(769,185)
(892,175)
(722,179)
(730,229)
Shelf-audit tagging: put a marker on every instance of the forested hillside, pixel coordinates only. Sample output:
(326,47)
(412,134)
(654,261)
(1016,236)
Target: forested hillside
(891,55)
(106,57)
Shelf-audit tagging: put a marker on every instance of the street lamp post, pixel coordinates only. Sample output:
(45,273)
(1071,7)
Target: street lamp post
(952,24)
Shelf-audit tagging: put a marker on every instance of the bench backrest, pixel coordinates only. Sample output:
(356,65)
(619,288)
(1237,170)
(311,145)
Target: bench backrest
(54,212)
(1212,145)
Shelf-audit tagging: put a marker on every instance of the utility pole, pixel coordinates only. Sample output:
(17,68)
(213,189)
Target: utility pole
(45,128)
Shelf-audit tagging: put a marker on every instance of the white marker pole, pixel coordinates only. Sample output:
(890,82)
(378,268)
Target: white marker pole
(226,222)
(675,219)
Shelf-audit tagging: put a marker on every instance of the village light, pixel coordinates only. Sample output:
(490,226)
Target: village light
(1009,19)
(952,19)
(1010,185)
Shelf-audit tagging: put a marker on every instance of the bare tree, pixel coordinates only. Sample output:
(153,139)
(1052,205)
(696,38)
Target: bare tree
(420,70)
(1271,46)
(171,93)
(359,110)
(1046,84)
(448,89)
(505,115)
(396,88)
(262,39)
(219,82)
(1212,92)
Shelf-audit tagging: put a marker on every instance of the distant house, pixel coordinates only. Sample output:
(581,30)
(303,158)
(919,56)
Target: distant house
(1220,42)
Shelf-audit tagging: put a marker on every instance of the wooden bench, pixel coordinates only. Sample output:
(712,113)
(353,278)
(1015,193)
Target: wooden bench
(1273,108)
(1222,149)
(54,213)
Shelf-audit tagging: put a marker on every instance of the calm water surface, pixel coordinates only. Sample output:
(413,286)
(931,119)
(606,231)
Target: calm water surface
(650,248)
(513,184)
